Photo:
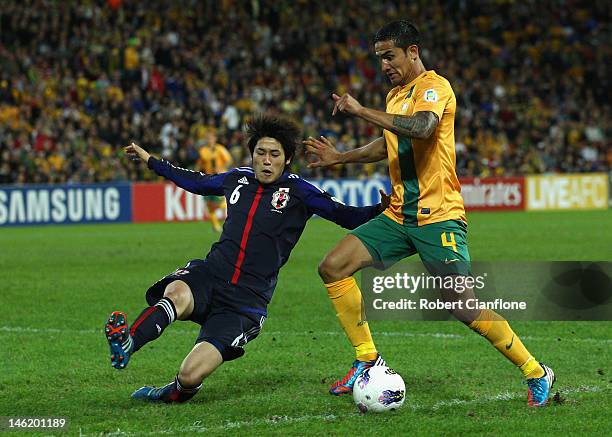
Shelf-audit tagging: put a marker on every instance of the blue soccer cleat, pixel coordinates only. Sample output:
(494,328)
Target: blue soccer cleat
(539,388)
(345,385)
(169,393)
(154,394)
(119,339)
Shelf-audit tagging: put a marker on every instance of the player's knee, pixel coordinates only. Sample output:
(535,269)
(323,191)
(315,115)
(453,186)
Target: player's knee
(331,269)
(180,295)
(459,309)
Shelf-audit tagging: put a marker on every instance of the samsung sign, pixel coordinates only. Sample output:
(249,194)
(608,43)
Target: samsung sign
(63,204)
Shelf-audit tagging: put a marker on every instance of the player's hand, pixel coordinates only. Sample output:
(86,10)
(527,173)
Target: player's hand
(135,152)
(346,103)
(324,150)
(385,200)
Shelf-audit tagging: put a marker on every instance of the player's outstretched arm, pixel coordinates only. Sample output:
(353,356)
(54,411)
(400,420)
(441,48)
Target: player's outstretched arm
(325,205)
(327,154)
(135,152)
(420,125)
(193,181)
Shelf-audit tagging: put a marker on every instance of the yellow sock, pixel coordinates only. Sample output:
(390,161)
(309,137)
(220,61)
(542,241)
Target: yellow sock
(496,329)
(532,369)
(213,219)
(346,298)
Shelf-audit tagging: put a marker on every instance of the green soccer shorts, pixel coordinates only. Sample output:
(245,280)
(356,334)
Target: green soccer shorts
(442,246)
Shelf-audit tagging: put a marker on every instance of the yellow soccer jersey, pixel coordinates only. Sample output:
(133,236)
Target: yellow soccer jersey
(214,159)
(423,179)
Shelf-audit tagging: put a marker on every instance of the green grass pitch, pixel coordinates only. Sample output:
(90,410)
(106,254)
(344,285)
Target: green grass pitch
(60,283)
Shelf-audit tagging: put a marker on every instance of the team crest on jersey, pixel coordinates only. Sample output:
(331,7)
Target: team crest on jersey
(280,198)
(430,95)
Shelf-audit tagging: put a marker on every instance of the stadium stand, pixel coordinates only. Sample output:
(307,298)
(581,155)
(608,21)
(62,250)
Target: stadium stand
(80,79)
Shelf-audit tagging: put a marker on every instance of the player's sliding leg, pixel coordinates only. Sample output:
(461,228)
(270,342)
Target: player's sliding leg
(203,359)
(177,303)
(498,332)
(336,270)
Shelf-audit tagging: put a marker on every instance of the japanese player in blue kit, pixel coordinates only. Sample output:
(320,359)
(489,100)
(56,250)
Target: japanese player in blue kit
(228,292)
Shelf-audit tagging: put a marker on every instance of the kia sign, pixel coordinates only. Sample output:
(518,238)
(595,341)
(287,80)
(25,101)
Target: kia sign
(166,202)
(493,194)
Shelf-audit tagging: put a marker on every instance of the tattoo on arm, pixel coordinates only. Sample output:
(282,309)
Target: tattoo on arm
(420,125)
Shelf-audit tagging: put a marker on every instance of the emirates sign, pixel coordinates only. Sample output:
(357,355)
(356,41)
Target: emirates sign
(489,194)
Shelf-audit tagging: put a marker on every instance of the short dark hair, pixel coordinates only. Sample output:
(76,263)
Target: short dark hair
(402,32)
(282,129)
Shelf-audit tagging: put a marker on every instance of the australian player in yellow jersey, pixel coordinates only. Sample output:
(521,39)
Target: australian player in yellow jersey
(426,213)
(214,158)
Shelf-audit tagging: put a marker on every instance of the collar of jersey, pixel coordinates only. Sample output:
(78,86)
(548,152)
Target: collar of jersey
(420,76)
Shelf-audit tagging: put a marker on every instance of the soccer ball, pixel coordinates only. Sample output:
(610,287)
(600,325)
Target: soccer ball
(379,389)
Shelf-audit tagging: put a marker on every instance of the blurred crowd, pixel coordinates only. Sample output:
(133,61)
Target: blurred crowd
(79,79)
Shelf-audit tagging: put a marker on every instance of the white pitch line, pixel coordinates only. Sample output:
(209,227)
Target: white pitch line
(198,428)
(30,330)
(508,396)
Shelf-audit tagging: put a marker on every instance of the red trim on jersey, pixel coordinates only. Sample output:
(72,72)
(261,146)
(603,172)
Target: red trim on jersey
(141,319)
(245,235)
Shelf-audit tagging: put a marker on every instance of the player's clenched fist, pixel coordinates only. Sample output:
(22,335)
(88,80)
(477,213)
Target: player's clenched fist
(135,152)
(346,103)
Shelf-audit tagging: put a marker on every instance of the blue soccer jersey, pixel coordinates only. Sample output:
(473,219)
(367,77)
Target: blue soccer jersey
(264,222)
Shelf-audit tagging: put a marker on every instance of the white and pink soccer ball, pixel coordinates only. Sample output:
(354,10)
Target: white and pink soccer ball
(379,389)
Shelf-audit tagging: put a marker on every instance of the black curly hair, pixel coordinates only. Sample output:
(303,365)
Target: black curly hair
(282,129)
